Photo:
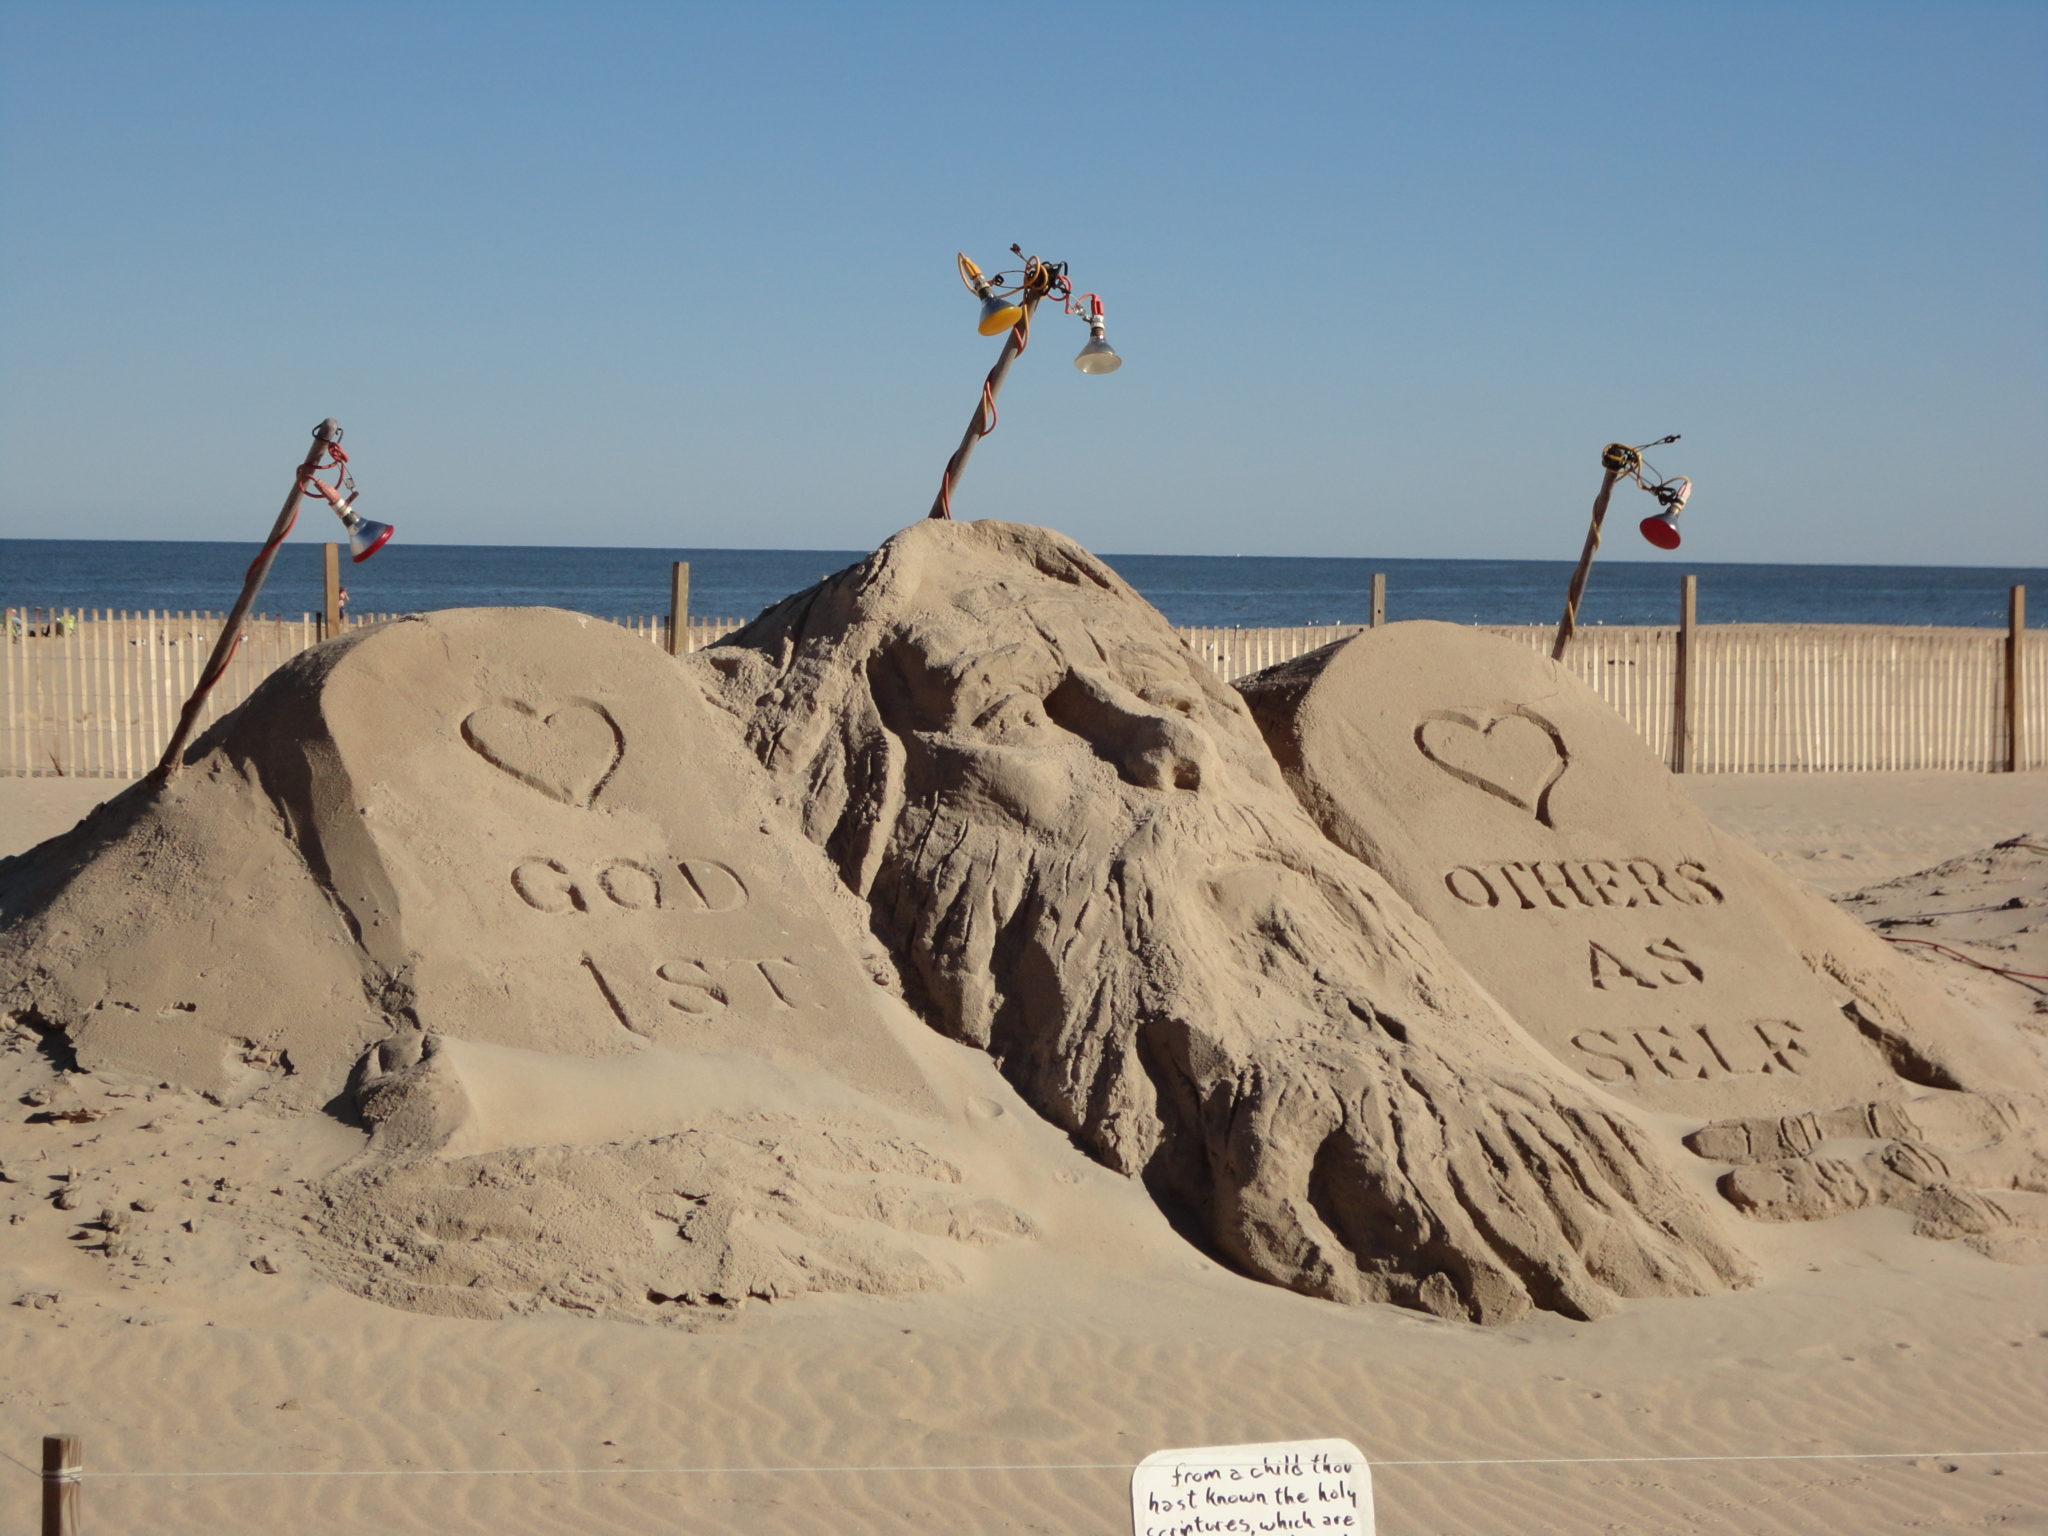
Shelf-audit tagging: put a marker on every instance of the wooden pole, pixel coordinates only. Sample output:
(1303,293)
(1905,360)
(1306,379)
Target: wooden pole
(63,1466)
(2015,694)
(10,760)
(1379,598)
(330,586)
(977,429)
(231,632)
(1681,682)
(678,607)
(1570,622)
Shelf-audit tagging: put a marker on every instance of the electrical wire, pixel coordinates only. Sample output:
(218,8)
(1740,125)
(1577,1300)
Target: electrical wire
(985,417)
(1658,484)
(1966,959)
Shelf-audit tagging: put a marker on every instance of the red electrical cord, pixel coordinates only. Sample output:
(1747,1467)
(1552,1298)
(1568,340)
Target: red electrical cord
(985,422)
(1966,959)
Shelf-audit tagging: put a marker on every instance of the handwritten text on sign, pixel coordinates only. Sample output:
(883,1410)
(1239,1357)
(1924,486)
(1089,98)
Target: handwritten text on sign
(1250,1490)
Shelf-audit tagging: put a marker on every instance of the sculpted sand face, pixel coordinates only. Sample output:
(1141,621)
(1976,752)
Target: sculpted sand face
(1081,851)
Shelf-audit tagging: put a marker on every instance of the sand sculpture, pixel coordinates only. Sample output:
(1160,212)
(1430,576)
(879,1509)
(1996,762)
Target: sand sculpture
(1077,844)
(1532,827)
(602,954)
(502,883)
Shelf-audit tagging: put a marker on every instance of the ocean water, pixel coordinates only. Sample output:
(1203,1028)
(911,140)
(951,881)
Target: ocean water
(1188,589)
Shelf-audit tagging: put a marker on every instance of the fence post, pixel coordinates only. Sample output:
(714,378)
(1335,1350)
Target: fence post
(1681,680)
(1379,598)
(678,606)
(14,720)
(2015,694)
(330,582)
(63,1466)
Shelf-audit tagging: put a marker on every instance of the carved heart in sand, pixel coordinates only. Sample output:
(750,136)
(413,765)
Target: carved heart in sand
(567,755)
(1515,757)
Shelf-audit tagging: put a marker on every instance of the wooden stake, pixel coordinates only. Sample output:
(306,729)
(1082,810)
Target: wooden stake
(63,1466)
(330,585)
(14,762)
(231,632)
(1379,598)
(678,607)
(1570,621)
(1681,682)
(942,504)
(2015,663)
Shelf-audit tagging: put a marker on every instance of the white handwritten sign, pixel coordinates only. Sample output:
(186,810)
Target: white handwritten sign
(1251,1490)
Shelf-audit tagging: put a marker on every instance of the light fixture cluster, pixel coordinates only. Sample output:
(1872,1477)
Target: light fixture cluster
(1626,463)
(365,537)
(1007,299)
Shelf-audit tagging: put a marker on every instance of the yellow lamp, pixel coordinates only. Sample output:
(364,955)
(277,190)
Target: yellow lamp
(998,314)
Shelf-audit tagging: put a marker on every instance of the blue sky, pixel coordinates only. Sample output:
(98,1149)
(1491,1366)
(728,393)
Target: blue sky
(1385,276)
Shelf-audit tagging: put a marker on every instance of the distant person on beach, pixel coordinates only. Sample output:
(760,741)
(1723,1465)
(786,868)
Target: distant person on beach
(341,602)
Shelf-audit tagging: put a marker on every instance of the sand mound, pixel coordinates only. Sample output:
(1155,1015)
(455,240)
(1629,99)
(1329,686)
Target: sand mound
(1083,855)
(499,881)
(744,1207)
(1650,954)
(1994,901)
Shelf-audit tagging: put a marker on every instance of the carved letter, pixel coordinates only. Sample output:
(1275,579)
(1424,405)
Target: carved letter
(677,973)
(1549,877)
(1609,1075)
(781,989)
(717,887)
(1782,1051)
(1507,873)
(1487,896)
(545,886)
(1663,1049)
(1578,884)
(1667,949)
(1604,878)
(611,997)
(1599,954)
(1651,882)
(1695,874)
(1707,1040)
(630,884)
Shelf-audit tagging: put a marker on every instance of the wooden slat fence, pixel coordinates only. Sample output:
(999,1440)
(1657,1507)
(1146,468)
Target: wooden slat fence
(97,697)
(1236,653)
(1818,698)
(95,693)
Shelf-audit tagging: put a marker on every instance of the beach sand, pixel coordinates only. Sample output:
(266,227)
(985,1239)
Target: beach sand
(1018,1401)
